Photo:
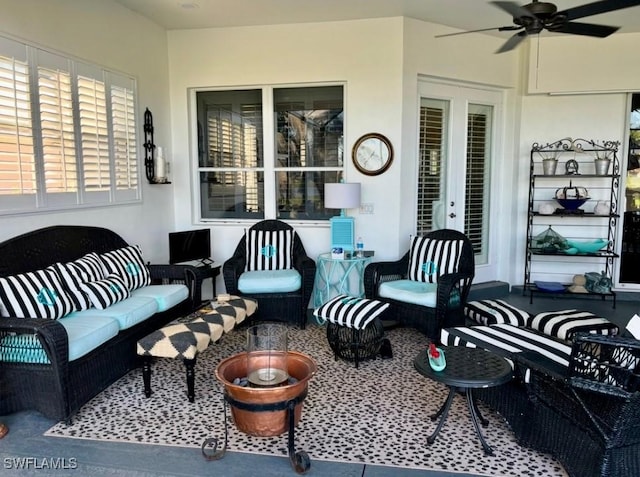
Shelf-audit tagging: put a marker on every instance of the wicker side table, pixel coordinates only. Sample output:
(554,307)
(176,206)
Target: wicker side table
(353,344)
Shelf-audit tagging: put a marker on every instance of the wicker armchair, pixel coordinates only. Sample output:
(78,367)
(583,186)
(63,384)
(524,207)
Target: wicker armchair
(452,289)
(280,306)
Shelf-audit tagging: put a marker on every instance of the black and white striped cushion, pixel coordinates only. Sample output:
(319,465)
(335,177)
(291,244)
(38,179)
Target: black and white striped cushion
(269,249)
(350,311)
(106,292)
(491,312)
(90,267)
(128,264)
(508,340)
(565,324)
(430,259)
(38,294)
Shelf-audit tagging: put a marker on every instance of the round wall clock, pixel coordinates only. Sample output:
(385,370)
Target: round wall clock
(372,154)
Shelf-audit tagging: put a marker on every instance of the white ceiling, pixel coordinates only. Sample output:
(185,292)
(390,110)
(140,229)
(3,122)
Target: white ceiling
(461,14)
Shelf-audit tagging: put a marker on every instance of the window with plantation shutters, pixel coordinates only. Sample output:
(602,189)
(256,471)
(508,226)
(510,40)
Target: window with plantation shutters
(241,178)
(57,131)
(125,150)
(67,132)
(94,134)
(17,161)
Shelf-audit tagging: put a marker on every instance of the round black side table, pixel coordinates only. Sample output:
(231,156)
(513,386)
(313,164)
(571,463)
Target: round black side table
(467,369)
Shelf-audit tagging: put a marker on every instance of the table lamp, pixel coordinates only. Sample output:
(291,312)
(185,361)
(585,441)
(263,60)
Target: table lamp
(342,195)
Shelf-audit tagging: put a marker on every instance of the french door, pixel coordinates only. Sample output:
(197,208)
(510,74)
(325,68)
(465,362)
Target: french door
(457,145)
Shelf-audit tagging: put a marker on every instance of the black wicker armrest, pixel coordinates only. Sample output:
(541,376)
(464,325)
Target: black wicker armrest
(50,333)
(231,271)
(379,272)
(612,360)
(304,263)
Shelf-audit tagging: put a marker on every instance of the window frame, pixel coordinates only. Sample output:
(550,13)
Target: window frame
(269,167)
(115,121)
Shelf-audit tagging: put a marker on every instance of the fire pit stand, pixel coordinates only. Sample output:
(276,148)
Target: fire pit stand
(266,411)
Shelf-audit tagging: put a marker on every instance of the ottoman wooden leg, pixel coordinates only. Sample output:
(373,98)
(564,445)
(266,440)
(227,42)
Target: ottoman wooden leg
(191,373)
(146,375)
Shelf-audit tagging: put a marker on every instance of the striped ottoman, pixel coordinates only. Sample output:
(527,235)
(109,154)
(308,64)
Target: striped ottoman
(354,331)
(186,337)
(507,340)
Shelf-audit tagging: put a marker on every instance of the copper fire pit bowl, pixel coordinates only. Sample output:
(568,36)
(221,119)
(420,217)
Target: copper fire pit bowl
(265,423)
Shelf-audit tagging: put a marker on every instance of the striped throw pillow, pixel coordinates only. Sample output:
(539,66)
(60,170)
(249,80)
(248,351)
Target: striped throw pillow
(88,268)
(104,293)
(128,264)
(491,312)
(564,324)
(38,294)
(430,259)
(269,250)
(350,311)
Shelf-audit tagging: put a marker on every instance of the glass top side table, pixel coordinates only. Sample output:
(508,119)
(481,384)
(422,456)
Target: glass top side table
(336,276)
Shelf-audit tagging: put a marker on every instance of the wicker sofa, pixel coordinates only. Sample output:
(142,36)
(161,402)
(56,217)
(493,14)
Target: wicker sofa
(57,386)
(576,399)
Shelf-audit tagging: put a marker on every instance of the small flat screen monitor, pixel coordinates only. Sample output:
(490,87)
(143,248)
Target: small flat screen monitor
(189,246)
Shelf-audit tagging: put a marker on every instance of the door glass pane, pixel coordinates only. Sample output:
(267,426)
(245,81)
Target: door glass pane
(479,129)
(434,118)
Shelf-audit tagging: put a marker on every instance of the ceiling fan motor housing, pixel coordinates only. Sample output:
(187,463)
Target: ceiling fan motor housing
(542,10)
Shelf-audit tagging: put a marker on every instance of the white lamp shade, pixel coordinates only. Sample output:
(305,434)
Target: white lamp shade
(343,195)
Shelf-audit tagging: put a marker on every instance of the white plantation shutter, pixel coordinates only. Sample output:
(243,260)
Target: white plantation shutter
(67,132)
(17,160)
(123,124)
(57,129)
(94,134)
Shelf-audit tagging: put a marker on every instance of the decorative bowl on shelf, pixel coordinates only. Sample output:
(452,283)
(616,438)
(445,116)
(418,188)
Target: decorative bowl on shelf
(571,204)
(570,198)
(550,287)
(590,246)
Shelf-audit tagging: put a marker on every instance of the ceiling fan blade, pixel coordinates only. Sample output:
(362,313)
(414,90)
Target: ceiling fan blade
(512,42)
(586,29)
(504,28)
(595,8)
(515,10)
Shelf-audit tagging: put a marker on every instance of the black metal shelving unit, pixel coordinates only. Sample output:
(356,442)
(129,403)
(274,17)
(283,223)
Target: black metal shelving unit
(575,168)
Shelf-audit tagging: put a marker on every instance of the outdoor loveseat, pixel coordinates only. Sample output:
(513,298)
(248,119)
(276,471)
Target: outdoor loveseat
(41,367)
(575,396)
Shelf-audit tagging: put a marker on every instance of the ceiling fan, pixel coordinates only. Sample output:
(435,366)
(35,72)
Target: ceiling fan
(536,16)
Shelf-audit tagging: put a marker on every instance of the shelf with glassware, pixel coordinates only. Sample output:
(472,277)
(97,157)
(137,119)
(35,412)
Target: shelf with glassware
(572,218)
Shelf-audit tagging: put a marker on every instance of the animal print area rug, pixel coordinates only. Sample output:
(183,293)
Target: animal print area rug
(376,414)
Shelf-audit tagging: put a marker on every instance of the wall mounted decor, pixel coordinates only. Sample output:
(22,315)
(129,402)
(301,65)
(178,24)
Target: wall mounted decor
(372,154)
(154,160)
(149,146)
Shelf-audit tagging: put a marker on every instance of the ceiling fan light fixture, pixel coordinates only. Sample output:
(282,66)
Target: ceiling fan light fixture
(537,16)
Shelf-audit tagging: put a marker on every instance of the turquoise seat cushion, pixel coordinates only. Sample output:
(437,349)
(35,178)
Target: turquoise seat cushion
(86,333)
(270,281)
(126,313)
(410,291)
(166,296)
